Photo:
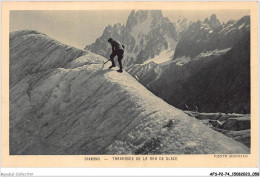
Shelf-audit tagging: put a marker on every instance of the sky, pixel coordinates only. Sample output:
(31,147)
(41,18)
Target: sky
(81,28)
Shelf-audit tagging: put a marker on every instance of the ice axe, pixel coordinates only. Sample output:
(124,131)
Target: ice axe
(105,63)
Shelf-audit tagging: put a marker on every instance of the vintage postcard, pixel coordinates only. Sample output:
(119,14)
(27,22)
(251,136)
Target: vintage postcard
(129,84)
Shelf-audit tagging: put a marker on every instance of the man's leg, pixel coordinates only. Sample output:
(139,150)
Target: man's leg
(112,56)
(120,57)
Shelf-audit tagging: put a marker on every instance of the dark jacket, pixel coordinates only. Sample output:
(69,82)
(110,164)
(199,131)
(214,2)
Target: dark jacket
(116,45)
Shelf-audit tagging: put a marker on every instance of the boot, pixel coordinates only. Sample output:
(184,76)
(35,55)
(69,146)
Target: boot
(120,70)
(112,66)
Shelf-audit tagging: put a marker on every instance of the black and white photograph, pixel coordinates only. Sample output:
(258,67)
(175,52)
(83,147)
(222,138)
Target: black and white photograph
(129,82)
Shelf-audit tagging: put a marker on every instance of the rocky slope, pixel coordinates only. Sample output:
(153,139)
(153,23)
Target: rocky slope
(182,26)
(210,35)
(63,102)
(210,68)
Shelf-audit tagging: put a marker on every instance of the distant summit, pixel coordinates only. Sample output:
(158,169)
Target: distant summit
(147,33)
(214,22)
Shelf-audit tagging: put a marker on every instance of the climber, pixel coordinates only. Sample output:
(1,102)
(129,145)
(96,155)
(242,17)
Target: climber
(117,50)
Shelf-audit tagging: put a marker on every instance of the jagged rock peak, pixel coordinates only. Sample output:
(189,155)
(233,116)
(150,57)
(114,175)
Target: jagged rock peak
(182,21)
(198,23)
(245,19)
(231,22)
(118,26)
(140,16)
(213,17)
(109,30)
(206,20)
(214,21)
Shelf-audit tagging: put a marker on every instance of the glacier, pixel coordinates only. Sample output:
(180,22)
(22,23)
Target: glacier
(63,102)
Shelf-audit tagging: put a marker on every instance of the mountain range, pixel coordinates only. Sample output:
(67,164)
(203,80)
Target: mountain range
(202,64)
